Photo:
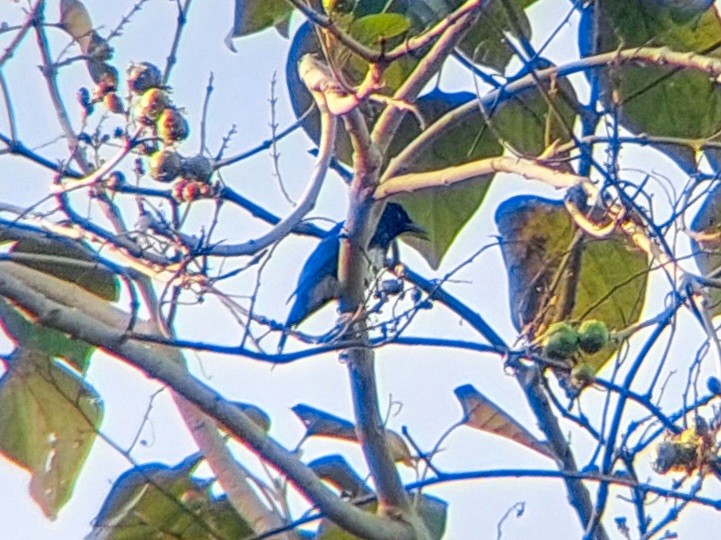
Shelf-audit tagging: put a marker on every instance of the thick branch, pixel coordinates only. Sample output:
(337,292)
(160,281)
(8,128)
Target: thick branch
(426,69)
(316,84)
(73,310)
(529,379)
(651,56)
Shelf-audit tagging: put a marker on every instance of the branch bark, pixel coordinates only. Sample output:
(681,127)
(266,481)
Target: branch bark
(70,309)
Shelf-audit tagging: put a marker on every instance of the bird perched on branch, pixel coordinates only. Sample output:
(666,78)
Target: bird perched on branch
(318,281)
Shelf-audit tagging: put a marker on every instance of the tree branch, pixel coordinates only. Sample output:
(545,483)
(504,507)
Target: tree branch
(70,309)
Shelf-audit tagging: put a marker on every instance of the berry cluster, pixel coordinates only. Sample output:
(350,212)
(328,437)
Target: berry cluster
(154,109)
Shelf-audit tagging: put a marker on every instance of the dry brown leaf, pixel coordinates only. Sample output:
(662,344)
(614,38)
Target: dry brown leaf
(481,413)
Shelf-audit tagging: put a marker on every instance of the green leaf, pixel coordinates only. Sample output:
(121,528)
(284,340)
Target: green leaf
(486,42)
(49,417)
(706,244)
(64,259)
(526,123)
(354,70)
(557,273)
(27,333)
(659,101)
(157,501)
(255,15)
(374,29)
(433,512)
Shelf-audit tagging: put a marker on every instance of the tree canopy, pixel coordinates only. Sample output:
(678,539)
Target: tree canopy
(522,208)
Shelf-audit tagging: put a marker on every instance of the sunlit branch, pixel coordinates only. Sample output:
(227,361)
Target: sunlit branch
(46,297)
(410,183)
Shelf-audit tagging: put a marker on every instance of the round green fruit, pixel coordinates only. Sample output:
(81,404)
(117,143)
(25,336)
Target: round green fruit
(560,341)
(582,375)
(593,336)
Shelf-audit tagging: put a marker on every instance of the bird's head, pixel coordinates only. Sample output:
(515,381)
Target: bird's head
(394,222)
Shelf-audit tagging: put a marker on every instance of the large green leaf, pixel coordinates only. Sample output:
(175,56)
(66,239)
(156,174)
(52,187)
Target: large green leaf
(49,417)
(433,512)
(557,273)
(706,244)
(157,501)
(354,70)
(486,42)
(255,15)
(65,259)
(378,28)
(652,99)
(527,123)
(27,333)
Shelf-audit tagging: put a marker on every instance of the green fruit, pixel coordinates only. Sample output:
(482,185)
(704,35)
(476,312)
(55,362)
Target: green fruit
(165,165)
(582,375)
(560,341)
(593,336)
(172,126)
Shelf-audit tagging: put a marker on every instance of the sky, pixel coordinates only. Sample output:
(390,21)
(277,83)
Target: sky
(420,379)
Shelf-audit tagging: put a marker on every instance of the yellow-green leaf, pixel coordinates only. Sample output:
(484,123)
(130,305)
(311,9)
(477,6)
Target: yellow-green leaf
(157,501)
(49,417)
(556,273)
(374,29)
(255,15)
(656,100)
(528,123)
(21,326)
(64,259)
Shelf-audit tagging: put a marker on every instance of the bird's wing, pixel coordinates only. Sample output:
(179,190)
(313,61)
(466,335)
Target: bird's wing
(318,280)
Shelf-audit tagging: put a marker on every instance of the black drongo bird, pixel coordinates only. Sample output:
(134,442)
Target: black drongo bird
(318,281)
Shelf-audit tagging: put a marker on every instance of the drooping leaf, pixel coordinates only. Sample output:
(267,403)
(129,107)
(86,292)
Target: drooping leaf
(76,21)
(557,273)
(527,123)
(322,424)
(433,512)
(49,417)
(706,244)
(656,100)
(64,259)
(27,333)
(335,470)
(157,501)
(481,413)
(255,15)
